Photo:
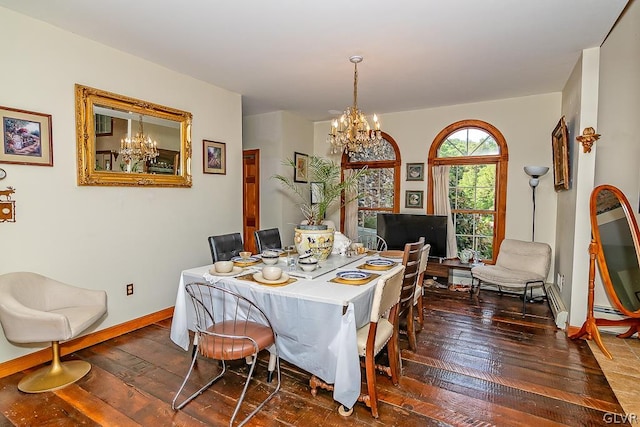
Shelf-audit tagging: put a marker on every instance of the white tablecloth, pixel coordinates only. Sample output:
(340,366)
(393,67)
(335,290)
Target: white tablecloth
(313,333)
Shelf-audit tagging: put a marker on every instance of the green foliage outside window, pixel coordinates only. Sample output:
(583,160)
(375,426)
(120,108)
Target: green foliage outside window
(471,189)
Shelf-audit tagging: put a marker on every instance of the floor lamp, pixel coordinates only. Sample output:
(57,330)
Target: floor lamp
(535,172)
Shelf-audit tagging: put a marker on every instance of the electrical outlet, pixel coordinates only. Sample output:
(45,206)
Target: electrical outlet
(560,281)
(130,289)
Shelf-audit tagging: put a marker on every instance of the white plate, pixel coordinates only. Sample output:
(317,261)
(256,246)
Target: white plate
(258,278)
(380,262)
(236,270)
(250,260)
(353,275)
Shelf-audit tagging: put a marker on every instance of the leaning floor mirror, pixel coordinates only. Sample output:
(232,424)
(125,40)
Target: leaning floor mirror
(126,141)
(615,243)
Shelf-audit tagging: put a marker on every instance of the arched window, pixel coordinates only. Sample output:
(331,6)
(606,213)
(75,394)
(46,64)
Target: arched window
(379,188)
(477,155)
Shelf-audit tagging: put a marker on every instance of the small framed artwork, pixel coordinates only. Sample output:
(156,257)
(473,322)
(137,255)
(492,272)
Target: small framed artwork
(215,157)
(560,149)
(27,138)
(317,192)
(301,170)
(413,199)
(415,171)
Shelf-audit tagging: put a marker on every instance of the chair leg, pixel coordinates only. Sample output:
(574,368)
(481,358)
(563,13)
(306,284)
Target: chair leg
(394,358)
(420,316)
(411,330)
(244,391)
(56,375)
(524,300)
(197,393)
(272,366)
(370,367)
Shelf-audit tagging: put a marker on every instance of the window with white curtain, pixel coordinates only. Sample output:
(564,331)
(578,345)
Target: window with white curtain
(379,187)
(477,155)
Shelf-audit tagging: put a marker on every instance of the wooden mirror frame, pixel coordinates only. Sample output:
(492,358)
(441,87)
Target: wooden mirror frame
(590,326)
(86,99)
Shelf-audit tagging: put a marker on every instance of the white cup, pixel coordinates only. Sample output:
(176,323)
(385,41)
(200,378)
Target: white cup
(223,266)
(270,272)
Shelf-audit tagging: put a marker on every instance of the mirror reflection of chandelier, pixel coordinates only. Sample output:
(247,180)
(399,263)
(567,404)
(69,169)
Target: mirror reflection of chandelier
(351,133)
(140,146)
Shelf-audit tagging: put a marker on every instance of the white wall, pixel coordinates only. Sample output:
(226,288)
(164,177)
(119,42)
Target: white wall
(526,124)
(277,135)
(104,238)
(618,149)
(579,105)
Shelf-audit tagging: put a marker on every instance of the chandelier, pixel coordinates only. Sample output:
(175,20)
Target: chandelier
(140,146)
(351,133)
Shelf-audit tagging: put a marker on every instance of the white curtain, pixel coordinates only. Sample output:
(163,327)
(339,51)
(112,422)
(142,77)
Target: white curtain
(351,211)
(442,205)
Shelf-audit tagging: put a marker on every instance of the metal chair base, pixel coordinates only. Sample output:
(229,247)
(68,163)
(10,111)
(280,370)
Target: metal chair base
(55,376)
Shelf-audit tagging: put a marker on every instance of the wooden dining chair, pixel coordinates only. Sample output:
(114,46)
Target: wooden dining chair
(225,246)
(267,239)
(417,299)
(228,327)
(381,332)
(411,261)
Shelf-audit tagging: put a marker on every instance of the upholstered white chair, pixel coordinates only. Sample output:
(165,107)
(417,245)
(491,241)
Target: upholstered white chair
(382,331)
(35,308)
(520,265)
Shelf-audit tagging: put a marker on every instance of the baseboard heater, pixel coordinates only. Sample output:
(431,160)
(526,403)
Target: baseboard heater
(558,308)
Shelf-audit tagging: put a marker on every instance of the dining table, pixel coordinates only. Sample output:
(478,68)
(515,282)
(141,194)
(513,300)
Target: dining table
(315,315)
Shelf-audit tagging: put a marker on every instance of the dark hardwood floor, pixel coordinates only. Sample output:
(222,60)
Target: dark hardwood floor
(479,363)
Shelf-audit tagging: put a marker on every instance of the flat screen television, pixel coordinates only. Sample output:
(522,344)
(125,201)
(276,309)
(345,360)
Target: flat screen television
(398,229)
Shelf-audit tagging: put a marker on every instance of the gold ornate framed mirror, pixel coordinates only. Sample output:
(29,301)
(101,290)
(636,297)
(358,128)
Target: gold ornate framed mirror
(126,141)
(615,243)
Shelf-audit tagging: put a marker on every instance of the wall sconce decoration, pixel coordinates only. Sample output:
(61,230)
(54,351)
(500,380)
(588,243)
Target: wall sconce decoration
(588,137)
(7,207)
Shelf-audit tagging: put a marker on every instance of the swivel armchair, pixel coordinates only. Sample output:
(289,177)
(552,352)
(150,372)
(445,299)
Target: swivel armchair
(35,308)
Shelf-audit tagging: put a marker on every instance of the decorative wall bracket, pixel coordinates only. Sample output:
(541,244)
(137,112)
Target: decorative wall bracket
(588,137)
(8,206)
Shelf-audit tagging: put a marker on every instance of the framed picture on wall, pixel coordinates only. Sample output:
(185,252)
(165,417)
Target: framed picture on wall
(413,199)
(415,171)
(317,191)
(560,150)
(26,137)
(301,170)
(215,157)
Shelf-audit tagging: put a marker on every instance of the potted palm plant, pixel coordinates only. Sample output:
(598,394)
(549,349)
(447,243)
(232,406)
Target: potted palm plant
(330,192)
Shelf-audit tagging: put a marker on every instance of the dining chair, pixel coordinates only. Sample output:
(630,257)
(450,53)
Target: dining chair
(411,261)
(36,309)
(228,327)
(417,299)
(374,242)
(225,246)
(267,239)
(381,332)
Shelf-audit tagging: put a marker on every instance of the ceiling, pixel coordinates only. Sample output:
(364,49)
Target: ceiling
(293,54)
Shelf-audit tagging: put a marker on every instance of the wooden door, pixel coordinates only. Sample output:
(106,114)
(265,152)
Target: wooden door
(251,197)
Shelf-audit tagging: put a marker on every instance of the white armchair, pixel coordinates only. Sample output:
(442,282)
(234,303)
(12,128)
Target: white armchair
(520,264)
(35,308)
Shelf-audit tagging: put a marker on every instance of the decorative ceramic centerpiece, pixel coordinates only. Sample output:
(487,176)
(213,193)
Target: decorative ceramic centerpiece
(316,242)
(314,236)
